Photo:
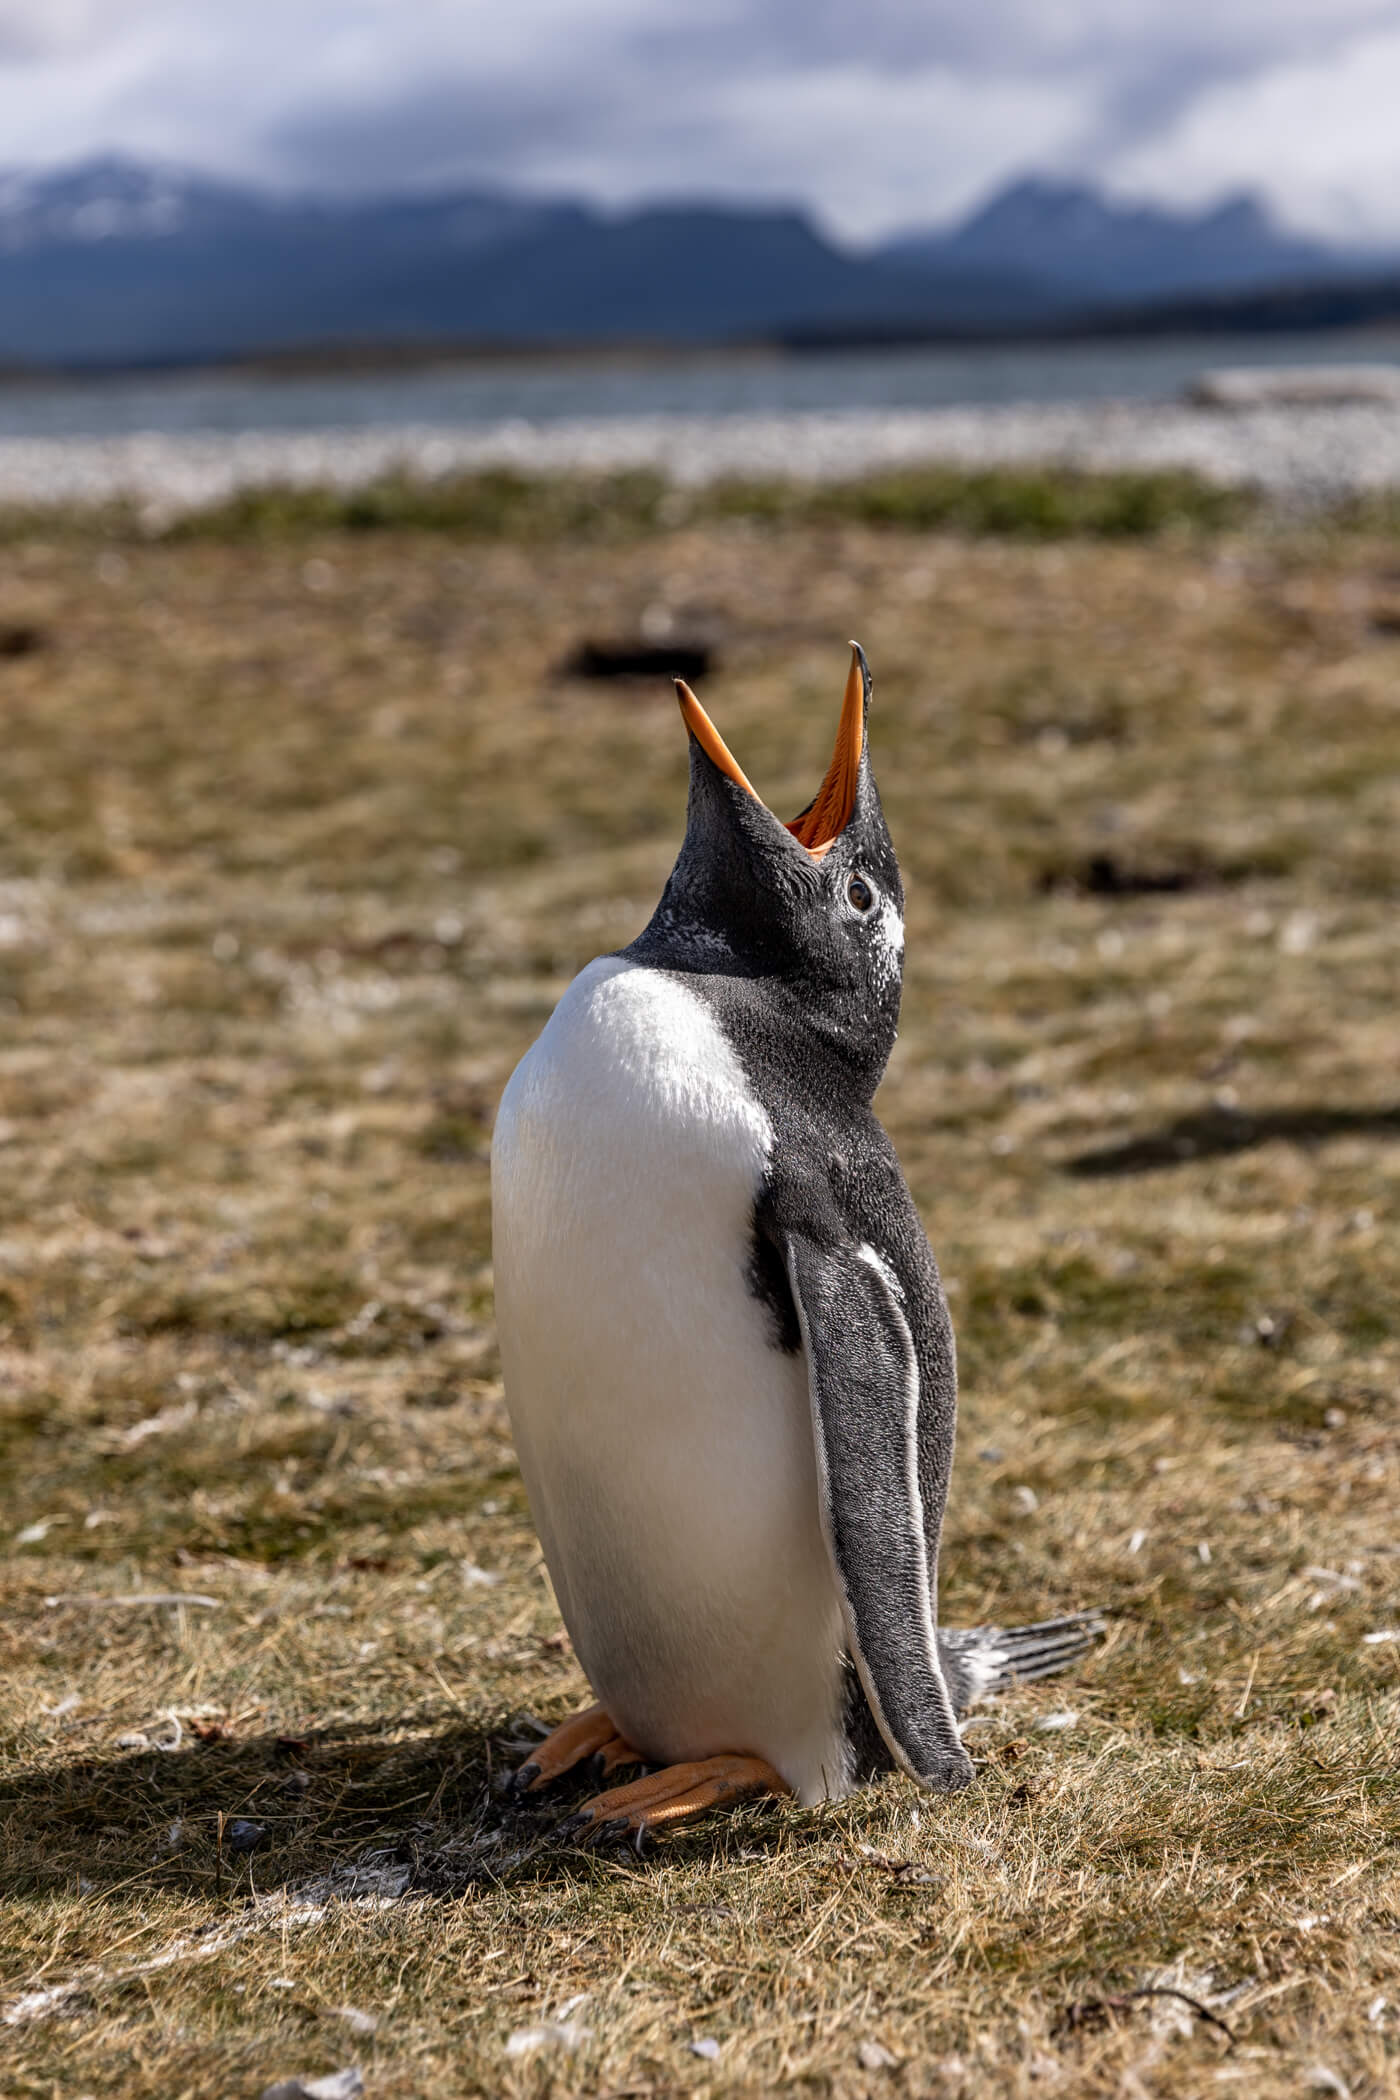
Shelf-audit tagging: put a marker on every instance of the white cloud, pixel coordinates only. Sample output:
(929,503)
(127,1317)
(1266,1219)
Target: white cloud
(874,151)
(35,29)
(878,116)
(1324,134)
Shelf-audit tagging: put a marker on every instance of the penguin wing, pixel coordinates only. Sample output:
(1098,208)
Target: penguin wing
(864,1379)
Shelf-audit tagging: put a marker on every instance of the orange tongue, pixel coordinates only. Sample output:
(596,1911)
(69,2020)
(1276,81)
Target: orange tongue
(819,827)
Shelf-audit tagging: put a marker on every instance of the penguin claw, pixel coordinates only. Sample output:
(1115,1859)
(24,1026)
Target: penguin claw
(613,1757)
(574,1740)
(581,1829)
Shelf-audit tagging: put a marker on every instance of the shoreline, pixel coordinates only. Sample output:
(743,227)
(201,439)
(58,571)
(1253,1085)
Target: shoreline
(1308,455)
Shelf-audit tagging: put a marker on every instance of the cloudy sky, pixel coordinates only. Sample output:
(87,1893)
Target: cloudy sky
(890,114)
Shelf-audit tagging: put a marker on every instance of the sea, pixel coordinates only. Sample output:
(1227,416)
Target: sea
(478,395)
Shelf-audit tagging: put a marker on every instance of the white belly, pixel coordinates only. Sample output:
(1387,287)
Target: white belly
(666,1444)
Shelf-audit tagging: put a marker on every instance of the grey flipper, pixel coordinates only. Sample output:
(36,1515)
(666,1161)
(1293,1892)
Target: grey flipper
(980,1661)
(864,1380)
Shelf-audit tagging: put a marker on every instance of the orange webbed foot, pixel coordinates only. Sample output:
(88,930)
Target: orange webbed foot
(585,1735)
(676,1794)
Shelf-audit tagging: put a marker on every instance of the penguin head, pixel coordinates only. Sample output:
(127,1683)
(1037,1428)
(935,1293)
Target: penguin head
(813,908)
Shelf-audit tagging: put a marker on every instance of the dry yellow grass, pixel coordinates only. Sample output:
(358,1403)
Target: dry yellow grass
(298,844)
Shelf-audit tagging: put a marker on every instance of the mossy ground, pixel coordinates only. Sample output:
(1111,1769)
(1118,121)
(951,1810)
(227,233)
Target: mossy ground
(301,833)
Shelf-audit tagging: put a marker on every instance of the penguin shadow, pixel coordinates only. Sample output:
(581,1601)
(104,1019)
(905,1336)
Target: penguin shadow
(1215,1133)
(352,1809)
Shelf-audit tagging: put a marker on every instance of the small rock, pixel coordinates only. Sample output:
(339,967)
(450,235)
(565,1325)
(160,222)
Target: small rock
(335,2085)
(34,1534)
(547,2034)
(358,2022)
(705,2046)
(1297,386)
(1299,932)
(874,2056)
(628,657)
(243,1836)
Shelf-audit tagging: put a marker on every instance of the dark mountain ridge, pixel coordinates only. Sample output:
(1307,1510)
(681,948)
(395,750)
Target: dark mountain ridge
(1105,250)
(120,262)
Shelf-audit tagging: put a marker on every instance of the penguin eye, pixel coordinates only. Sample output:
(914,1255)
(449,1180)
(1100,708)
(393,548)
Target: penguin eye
(859,894)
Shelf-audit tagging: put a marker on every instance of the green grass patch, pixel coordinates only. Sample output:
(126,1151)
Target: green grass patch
(1033,503)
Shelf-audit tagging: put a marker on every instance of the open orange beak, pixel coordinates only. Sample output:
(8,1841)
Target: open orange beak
(820,825)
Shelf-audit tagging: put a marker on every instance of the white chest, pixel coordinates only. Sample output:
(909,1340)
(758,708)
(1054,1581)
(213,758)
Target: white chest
(666,1444)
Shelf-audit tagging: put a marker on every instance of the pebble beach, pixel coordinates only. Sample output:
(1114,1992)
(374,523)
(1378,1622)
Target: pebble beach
(1302,452)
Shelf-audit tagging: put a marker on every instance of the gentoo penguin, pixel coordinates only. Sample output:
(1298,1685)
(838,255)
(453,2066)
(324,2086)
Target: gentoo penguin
(728,1359)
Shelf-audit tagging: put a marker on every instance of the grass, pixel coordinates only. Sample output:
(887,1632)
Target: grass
(301,833)
(502,503)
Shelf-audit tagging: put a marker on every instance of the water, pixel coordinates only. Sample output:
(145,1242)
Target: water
(482,396)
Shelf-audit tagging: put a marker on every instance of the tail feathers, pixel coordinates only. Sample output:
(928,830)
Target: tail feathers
(981,1661)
